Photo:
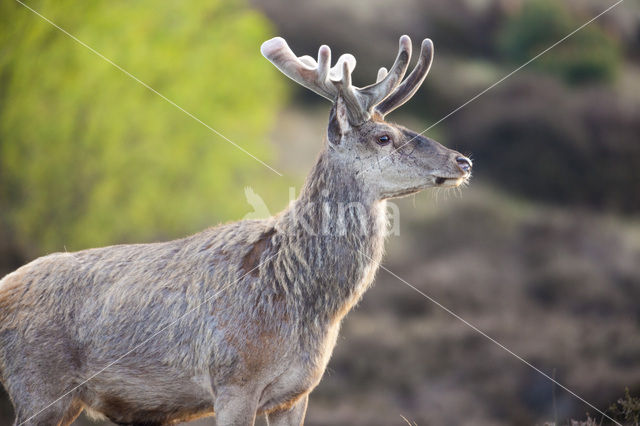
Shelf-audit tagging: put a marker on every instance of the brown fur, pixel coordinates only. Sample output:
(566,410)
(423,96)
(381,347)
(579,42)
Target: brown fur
(251,260)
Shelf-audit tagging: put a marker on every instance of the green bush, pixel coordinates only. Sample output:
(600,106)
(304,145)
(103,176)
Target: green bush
(589,55)
(90,157)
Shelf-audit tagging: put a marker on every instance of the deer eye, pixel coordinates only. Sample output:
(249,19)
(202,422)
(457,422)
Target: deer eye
(383,140)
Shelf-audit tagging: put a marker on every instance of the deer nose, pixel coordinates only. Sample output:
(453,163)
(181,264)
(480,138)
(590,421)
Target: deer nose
(464,163)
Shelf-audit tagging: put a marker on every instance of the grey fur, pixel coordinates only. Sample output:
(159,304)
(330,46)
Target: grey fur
(240,319)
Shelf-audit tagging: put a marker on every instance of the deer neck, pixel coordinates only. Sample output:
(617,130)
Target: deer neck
(335,234)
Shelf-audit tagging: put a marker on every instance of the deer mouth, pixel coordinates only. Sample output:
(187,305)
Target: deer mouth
(451,182)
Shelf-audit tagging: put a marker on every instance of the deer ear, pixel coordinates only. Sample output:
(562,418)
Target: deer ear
(338,121)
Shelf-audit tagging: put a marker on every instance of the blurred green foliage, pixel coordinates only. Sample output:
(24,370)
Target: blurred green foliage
(627,409)
(90,157)
(590,55)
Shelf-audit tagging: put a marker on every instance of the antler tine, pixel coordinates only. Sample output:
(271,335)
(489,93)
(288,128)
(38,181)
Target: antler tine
(337,71)
(303,70)
(324,62)
(382,73)
(412,83)
(358,112)
(378,91)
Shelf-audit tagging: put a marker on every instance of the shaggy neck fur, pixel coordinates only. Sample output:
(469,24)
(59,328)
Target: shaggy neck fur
(332,239)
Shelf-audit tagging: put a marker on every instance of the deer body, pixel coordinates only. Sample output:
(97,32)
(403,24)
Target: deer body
(240,319)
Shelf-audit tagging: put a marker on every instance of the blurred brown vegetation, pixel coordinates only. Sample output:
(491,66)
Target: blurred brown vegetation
(542,251)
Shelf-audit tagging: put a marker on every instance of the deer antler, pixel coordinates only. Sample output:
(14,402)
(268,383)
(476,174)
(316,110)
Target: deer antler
(336,81)
(411,84)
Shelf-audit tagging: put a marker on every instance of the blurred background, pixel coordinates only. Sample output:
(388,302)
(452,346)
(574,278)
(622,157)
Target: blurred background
(542,251)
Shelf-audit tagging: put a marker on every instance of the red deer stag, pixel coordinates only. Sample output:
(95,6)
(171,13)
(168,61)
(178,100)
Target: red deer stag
(240,319)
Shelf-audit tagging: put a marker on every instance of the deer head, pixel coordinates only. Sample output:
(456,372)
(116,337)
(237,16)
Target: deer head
(389,159)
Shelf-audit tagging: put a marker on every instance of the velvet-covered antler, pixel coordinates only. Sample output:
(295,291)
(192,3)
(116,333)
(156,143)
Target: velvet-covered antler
(411,84)
(335,81)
